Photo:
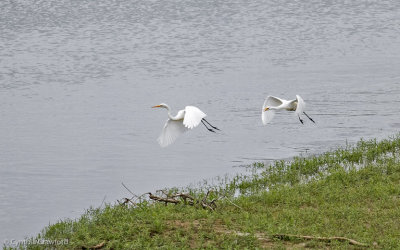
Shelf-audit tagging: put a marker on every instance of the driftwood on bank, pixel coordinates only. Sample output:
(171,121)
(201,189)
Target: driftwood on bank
(185,199)
(325,239)
(174,198)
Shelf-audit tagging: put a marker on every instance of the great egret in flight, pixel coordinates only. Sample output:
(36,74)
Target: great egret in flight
(186,119)
(274,103)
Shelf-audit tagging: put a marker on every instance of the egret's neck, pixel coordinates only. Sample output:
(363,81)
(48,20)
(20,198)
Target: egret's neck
(169,112)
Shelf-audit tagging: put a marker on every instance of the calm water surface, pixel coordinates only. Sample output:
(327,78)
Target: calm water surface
(78,78)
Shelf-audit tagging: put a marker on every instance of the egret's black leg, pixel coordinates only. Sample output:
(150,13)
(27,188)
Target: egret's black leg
(211,125)
(209,129)
(309,117)
(300,119)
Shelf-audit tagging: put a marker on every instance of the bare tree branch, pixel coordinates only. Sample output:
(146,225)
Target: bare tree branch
(326,239)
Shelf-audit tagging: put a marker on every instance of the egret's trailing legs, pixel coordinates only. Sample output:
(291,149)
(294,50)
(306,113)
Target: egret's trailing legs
(209,129)
(309,117)
(301,120)
(211,125)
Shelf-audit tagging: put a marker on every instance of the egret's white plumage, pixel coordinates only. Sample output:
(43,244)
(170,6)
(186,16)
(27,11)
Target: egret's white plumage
(193,116)
(186,119)
(300,105)
(272,103)
(171,131)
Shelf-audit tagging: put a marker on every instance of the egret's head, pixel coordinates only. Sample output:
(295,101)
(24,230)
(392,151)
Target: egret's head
(266,109)
(162,105)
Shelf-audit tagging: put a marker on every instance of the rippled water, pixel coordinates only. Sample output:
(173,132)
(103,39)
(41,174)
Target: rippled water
(78,78)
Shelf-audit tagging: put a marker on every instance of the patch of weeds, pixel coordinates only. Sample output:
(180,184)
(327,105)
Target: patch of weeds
(351,192)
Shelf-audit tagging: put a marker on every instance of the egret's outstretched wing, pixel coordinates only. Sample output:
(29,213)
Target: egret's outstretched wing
(267,116)
(172,129)
(193,117)
(301,105)
(272,101)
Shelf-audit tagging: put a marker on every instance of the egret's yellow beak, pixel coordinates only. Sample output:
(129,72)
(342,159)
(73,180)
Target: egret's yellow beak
(266,109)
(157,106)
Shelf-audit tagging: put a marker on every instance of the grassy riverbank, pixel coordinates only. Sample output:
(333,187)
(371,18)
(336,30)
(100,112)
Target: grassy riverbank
(352,192)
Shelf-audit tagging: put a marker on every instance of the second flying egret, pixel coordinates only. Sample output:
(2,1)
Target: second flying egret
(186,119)
(274,103)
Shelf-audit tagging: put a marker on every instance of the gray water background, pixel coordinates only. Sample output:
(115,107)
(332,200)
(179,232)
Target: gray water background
(78,78)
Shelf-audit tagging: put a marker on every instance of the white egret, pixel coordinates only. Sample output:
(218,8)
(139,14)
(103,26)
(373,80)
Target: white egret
(274,103)
(186,119)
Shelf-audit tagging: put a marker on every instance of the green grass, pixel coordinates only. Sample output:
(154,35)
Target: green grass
(352,192)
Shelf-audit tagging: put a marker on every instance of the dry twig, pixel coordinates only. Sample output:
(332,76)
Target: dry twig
(98,246)
(232,203)
(164,196)
(326,239)
(186,198)
(161,199)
